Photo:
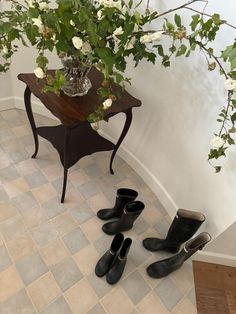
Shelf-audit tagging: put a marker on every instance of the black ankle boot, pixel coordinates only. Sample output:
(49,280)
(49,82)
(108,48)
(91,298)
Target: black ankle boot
(107,259)
(165,267)
(183,227)
(117,268)
(130,213)
(123,197)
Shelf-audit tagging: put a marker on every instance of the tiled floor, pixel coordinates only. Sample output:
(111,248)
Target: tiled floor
(48,250)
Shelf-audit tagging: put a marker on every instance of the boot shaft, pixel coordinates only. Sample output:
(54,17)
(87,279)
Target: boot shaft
(123,197)
(184,226)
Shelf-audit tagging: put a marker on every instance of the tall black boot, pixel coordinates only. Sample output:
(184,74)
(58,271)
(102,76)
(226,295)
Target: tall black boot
(115,272)
(123,196)
(105,262)
(183,227)
(130,213)
(165,267)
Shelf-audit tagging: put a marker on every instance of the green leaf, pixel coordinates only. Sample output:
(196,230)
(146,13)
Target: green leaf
(42,61)
(195,20)
(233,118)
(178,20)
(181,50)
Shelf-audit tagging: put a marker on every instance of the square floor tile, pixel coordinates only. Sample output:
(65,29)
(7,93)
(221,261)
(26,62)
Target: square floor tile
(35,179)
(64,223)
(7,210)
(19,303)
(151,304)
(25,201)
(54,252)
(53,207)
(135,287)
(169,293)
(75,240)
(21,247)
(81,297)
(12,228)
(44,233)
(31,267)
(86,259)
(88,189)
(66,273)
(5,260)
(10,283)
(9,174)
(117,302)
(97,309)
(81,213)
(100,286)
(43,291)
(59,306)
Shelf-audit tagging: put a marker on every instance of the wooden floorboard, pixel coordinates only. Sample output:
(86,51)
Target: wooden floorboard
(215,287)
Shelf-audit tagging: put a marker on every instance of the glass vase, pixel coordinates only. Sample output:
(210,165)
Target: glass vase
(76,81)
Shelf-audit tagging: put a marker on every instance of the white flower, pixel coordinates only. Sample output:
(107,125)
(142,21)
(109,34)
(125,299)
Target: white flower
(72,23)
(30,3)
(38,22)
(77,42)
(157,36)
(130,44)
(230,84)
(44,6)
(86,48)
(5,50)
(107,103)
(111,3)
(217,142)
(151,37)
(118,31)
(99,14)
(39,73)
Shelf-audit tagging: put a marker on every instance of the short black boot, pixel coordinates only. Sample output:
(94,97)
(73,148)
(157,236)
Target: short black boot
(123,197)
(105,262)
(130,213)
(183,227)
(117,268)
(165,267)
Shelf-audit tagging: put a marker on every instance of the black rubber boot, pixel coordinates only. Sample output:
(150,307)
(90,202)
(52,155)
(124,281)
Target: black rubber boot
(130,213)
(105,262)
(165,267)
(123,196)
(183,227)
(117,268)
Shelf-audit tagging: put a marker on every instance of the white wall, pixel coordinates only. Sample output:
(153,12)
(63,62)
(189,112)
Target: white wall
(169,139)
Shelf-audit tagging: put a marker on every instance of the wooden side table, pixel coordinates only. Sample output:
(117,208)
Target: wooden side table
(74,138)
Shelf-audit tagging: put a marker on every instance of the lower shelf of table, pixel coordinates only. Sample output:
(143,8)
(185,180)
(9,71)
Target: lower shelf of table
(82,141)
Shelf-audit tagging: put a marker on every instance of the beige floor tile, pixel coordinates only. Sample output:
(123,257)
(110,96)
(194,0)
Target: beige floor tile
(10,283)
(152,215)
(16,187)
(7,210)
(78,177)
(43,291)
(53,172)
(26,167)
(64,223)
(54,252)
(151,304)
(117,301)
(98,201)
(12,228)
(81,297)
(21,247)
(34,216)
(184,278)
(184,306)
(22,130)
(92,229)
(44,193)
(86,259)
(73,198)
(5,161)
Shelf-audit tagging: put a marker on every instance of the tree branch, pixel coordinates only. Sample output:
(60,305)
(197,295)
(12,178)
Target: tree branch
(205,14)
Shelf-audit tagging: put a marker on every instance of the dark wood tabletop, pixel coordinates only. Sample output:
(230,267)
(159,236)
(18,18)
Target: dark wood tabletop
(72,110)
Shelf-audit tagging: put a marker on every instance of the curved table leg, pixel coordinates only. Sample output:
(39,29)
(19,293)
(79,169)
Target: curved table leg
(128,121)
(65,164)
(27,98)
